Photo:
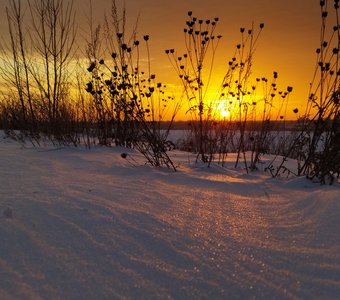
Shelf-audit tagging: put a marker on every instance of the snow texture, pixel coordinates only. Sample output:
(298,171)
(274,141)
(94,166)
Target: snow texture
(80,224)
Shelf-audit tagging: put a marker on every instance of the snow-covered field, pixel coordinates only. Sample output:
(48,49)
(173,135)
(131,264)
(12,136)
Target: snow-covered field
(79,224)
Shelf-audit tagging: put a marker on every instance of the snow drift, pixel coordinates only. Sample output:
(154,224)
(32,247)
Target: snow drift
(79,224)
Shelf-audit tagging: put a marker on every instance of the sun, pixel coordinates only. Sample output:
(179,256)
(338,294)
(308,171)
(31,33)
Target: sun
(224,113)
(222,109)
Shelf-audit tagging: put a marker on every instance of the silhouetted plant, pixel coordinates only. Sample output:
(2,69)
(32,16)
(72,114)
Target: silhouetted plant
(36,63)
(194,72)
(245,129)
(129,102)
(253,116)
(316,146)
(324,142)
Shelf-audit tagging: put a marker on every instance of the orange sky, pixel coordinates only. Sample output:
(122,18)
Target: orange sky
(287,44)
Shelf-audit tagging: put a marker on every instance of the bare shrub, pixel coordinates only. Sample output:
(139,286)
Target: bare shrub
(317,143)
(129,103)
(36,61)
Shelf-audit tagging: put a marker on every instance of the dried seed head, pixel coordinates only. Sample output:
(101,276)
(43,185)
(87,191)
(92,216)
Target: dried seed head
(89,87)
(189,13)
(91,67)
(146,38)
(261,25)
(289,89)
(336,98)
(295,110)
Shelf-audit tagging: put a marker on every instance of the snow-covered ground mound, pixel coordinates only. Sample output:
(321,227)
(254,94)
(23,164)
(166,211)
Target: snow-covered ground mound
(80,224)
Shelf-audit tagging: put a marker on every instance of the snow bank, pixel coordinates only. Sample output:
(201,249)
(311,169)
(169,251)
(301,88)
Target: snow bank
(79,224)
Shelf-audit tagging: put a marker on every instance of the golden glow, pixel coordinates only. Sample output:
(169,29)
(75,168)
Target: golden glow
(221,109)
(282,48)
(225,113)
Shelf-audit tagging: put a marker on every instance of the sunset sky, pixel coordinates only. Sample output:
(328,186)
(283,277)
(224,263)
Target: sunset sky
(287,44)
